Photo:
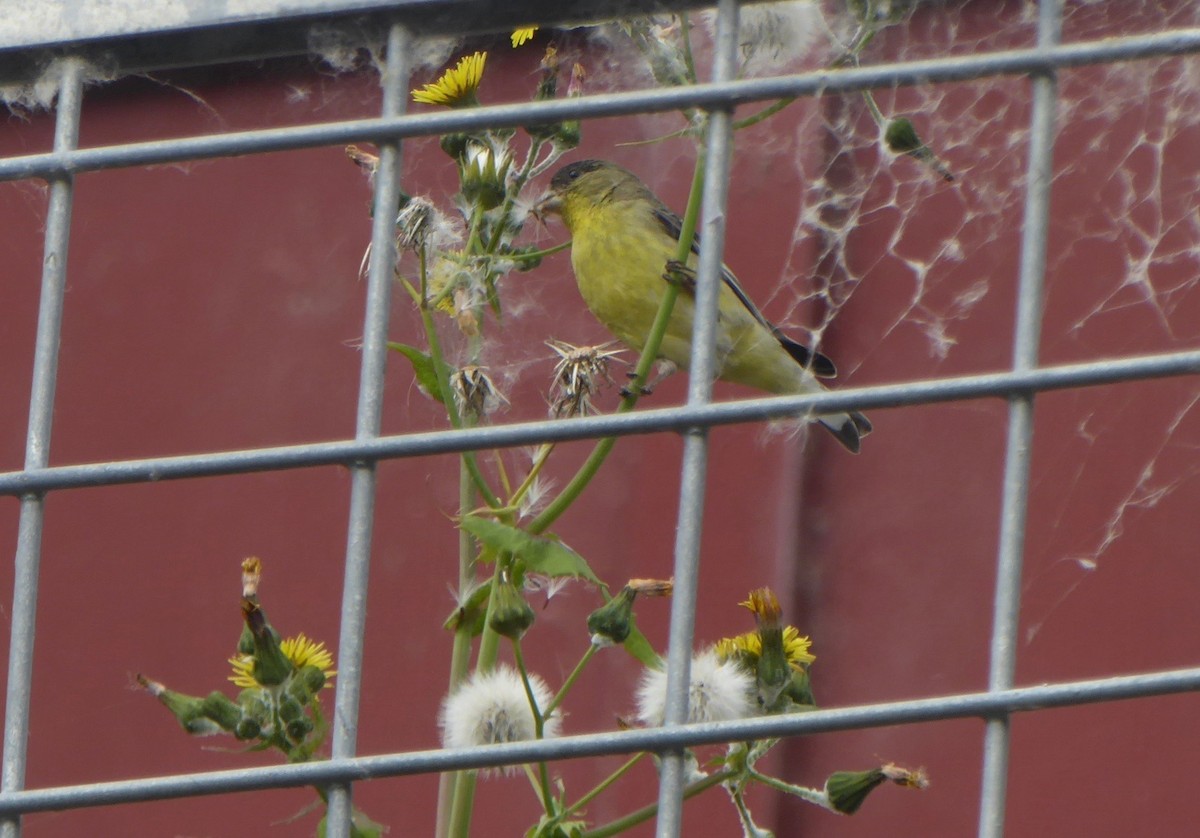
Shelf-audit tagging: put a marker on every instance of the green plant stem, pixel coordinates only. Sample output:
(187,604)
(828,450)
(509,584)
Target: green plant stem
(474,244)
(647,812)
(549,251)
(570,682)
(814,796)
(456,421)
(604,784)
(876,114)
(535,469)
(689,61)
(600,453)
(539,724)
(460,655)
(489,640)
(464,786)
(514,189)
(765,113)
(464,802)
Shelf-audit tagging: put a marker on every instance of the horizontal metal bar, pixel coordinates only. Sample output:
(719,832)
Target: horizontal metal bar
(970,705)
(27,27)
(714,95)
(346,452)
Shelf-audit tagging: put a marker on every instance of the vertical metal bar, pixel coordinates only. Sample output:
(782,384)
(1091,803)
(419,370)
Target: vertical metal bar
(1015,498)
(370,411)
(695,443)
(37,443)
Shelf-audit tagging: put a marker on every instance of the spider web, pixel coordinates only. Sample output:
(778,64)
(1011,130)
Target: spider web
(889,259)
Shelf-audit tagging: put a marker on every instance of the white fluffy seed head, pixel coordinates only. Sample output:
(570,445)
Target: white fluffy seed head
(718,692)
(492,707)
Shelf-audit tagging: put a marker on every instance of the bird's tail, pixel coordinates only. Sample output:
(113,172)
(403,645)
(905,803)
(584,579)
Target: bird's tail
(849,428)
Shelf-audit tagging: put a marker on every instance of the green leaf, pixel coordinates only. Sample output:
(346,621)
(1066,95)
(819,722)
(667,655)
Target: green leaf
(541,555)
(423,367)
(637,645)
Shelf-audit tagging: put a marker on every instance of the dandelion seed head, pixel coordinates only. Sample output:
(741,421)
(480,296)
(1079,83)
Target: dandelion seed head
(491,707)
(719,691)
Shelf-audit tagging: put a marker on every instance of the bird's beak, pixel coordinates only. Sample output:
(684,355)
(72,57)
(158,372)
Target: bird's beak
(549,204)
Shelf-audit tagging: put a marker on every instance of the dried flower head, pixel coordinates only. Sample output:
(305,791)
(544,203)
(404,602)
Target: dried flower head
(475,392)
(413,223)
(652,587)
(365,160)
(907,777)
(251,576)
(456,87)
(578,77)
(578,375)
(719,691)
(492,707)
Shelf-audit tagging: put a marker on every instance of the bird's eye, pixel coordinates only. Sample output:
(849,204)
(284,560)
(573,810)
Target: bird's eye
(573,174)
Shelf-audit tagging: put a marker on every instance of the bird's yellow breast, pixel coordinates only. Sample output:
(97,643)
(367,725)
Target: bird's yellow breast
(619,252)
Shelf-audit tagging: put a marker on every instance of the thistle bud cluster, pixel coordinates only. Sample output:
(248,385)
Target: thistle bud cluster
(281,679)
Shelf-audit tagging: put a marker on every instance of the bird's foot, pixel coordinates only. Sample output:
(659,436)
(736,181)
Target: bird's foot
(677,273)
(641,390)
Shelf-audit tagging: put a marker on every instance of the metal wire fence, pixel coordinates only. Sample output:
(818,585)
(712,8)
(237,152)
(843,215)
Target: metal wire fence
(1020,386)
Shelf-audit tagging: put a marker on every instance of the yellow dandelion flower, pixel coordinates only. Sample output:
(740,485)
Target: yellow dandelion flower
(243,668)
(300,650)
(520,36)
(795,646)
(455,87)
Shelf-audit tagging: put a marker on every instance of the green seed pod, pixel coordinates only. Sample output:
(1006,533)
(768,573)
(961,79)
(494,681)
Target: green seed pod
(901,137)
(511,615)
(611,623)
(847,790)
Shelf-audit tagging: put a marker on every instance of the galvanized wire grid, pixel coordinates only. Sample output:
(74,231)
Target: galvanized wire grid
(361,454)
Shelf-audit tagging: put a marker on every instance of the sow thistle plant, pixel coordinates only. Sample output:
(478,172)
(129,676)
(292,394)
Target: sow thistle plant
(453,265)
(279,705)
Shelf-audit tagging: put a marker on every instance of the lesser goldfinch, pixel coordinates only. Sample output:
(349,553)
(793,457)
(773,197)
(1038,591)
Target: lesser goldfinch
(622,239)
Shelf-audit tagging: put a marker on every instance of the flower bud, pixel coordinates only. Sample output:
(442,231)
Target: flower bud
(253,705)
(611,623)
(484,173)
(289,708)
(306,683)
(271,666)
(800,689)
(222,710)
(299,728)
(847,790)
(773,673)
(247,729)
(454,144)
(511,615)
(188,709)
(901,137)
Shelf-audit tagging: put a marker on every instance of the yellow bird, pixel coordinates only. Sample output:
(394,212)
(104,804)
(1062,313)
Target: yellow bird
(622,239)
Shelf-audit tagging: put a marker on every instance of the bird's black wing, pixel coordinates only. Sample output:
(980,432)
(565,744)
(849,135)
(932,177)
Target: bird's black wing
(816,363)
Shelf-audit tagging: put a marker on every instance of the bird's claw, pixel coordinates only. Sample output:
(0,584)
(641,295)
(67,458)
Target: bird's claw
(642,389)
(677,273)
